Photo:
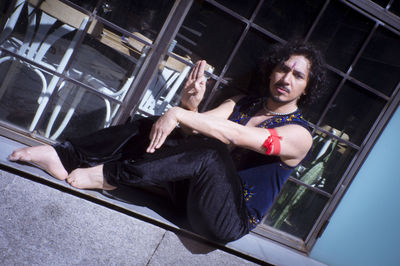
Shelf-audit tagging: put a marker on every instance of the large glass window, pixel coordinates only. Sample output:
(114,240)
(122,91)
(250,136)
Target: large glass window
(77,57)
(362,78)
(92,64)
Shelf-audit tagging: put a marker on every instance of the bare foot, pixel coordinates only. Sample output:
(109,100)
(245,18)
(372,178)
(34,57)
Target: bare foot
(89,178)
(44,156)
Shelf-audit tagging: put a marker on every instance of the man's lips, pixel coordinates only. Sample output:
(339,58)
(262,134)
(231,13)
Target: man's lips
(282,89)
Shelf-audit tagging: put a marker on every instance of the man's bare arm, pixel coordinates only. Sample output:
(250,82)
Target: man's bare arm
(295,140)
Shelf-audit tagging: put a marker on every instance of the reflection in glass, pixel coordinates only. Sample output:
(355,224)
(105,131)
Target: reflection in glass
(395,8)
(86,4)
(296,210)
(244,71)
(340,34)
(288,19)
(327,161)
(382,3)
(208,33)
(354,111)
(244,8)
(4,5)
(41,37)
(21,88)
(165,88)
(76,112)
(379,65)
(313,112)
(145,17)
(114,68)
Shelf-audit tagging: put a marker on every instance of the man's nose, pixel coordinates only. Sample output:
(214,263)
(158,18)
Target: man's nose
(286,77)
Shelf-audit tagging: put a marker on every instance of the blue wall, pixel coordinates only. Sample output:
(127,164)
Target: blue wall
(365,228)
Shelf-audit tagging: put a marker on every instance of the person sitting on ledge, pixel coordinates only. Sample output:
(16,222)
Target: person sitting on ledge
(233,159)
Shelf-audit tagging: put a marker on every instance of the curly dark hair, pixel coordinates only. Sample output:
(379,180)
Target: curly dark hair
(317,75)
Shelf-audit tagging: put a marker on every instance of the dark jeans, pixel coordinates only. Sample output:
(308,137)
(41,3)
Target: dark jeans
(214,203)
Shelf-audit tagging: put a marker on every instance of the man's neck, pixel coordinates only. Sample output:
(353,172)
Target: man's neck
(279,107)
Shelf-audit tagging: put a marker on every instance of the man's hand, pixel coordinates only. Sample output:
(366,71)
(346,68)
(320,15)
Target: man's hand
(195,86)
(161,130)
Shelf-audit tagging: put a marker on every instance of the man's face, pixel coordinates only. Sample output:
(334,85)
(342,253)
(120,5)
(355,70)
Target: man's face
(289,79)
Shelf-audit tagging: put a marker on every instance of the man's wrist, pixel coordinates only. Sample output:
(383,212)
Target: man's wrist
(195,109)
(175,112)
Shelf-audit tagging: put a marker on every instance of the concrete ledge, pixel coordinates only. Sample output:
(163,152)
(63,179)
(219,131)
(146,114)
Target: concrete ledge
(156,210)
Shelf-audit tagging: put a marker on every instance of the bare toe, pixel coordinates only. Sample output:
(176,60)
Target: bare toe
(43,156)
(19,155)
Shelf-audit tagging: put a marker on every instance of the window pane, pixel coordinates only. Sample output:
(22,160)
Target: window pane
(165,88)
(379,65)
(296,210)
(86,4)
(382,3)
(354,111)
(208,33)
(4,5)
(313,112)
(340,34)
(21,85)
(244,70)
(288,19)
(395,8)
(88,112)
(244,8)
(145,17)
(115,63)
(327,162)
(40,36)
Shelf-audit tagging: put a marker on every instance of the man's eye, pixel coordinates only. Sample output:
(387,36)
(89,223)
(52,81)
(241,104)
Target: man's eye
(299,76)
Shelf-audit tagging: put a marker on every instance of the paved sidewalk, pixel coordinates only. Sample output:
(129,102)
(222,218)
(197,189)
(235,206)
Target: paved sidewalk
(41,225)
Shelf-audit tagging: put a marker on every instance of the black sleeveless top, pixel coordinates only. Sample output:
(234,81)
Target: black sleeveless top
(262,176)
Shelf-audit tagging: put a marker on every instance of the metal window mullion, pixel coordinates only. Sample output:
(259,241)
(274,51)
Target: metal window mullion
(332,99)
(324,215)
(362,49)
(316,21)
(92,90)
(314,189)
(231,12)
(374,12)
(29,61)
(66,68)
(150,66)
(331,135)
(121,30)
(368,88)
(50,71)
(233,53)
(7,15)
(359,83)
(61,76)
(347,74)
(227,64)
(182,60)
(267,33)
